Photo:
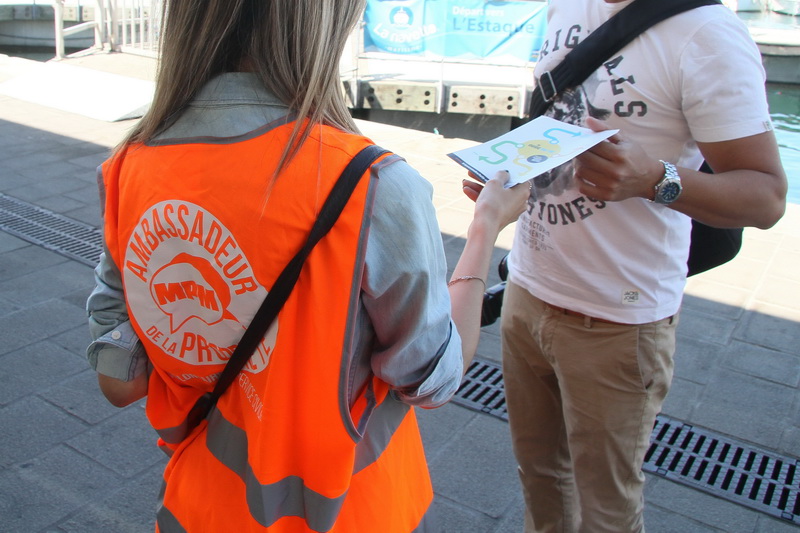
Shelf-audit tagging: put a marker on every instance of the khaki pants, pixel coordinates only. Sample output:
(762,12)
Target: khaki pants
(582,398)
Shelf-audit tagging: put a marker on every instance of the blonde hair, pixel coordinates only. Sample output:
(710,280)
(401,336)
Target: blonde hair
(293,46)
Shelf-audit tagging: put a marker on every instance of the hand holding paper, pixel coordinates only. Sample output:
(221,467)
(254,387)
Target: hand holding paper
(530,150)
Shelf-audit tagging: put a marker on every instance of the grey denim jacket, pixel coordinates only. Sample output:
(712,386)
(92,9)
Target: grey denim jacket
(404,332)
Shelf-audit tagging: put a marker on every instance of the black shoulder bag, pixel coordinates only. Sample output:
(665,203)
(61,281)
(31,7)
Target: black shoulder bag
(331,209)
(710,247)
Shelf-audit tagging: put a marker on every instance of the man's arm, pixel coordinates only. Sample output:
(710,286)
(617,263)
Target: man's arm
(748,187)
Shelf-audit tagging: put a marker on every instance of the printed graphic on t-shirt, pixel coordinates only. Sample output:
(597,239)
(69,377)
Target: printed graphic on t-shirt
(190,286)
(572,107)
(555,200)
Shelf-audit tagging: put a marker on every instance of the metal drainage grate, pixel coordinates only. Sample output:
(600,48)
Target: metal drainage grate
(723,467)
(50,230)
(695,457)
(482,389)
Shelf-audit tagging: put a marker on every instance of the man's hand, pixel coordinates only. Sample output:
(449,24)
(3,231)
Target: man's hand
(616,169)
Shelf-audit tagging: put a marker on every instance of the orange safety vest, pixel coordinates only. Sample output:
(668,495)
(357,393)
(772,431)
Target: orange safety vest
(200,232)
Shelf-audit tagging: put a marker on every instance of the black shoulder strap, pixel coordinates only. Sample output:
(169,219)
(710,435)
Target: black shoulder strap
(601,44)
(265,316)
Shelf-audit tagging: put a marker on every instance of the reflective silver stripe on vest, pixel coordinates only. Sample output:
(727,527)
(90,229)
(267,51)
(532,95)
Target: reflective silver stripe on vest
(383,423)
(174,435)
(289,496)
(428,524)
(269,503)
(167,523)
(346,372)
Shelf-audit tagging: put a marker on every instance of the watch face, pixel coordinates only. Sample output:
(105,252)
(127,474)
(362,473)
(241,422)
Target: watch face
(669,192)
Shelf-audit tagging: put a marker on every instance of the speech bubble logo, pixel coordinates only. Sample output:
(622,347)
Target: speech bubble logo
(190,287)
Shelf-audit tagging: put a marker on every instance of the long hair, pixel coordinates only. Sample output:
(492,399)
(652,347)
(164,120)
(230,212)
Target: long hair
(293,46)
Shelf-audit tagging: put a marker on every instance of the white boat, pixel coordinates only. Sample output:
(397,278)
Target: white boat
(785,7)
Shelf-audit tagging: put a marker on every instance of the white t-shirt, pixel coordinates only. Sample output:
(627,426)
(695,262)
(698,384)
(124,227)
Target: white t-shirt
(696,76)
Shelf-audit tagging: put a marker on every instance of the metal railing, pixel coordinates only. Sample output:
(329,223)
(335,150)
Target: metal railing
(136,26)
(97,14)
(130,26)
(370,80)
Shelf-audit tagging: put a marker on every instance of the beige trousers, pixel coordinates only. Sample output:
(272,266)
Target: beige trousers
(582,399)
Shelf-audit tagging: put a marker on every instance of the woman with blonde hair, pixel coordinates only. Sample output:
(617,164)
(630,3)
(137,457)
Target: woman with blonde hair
(205,202)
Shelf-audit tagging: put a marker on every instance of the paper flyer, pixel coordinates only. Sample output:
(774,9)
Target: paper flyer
(530,150)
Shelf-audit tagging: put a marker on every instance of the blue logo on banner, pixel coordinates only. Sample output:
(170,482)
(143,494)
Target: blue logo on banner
(401,17)
(396,26)
(503,30)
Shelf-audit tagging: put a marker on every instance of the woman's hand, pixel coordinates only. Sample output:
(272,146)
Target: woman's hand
(495,208)
(495,204)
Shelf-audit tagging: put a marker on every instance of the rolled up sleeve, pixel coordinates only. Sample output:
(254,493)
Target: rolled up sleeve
(418,349)
(116,350)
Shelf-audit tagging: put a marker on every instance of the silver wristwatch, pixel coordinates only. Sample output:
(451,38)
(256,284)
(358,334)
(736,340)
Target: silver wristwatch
(669,188)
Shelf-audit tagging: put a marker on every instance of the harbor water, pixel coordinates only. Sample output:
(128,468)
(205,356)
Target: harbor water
(784,105)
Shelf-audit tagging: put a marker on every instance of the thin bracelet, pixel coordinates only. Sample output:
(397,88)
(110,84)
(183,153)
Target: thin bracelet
(466,278)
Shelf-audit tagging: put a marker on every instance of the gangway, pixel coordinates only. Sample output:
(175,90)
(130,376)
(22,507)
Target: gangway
(91,17)
(464,57)
(130,26)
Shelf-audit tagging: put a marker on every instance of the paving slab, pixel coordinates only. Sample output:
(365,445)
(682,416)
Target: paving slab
(86,91)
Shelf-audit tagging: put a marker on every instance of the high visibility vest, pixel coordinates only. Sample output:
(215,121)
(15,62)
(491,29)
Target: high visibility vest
(200,231)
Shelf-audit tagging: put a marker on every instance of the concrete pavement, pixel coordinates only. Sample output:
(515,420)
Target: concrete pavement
(70,462)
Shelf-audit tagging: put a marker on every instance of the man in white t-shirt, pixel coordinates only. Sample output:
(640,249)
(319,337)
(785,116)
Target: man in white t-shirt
(598,265)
